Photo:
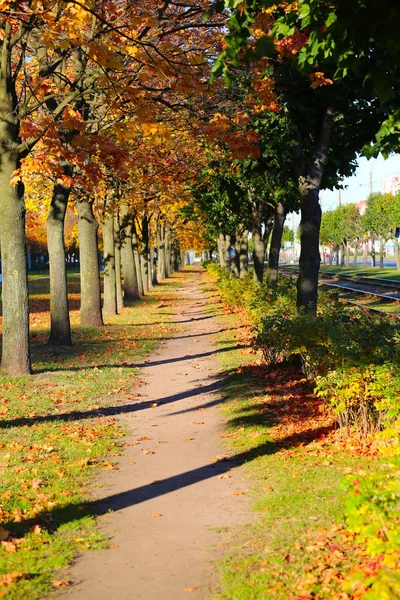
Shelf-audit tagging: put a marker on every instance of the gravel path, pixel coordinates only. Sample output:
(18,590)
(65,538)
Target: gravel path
(174,501)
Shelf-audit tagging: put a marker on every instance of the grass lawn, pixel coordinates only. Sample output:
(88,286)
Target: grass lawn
(58,426)
(388,273)
(296,461)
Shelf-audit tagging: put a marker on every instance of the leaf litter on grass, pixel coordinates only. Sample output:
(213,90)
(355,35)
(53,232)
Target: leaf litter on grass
(58,426)
(298,547)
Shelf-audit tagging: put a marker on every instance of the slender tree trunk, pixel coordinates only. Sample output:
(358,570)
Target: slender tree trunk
(373,253)
(89,260)
(235,263)
(396,253)
(131,291)
(365,254)
(356,246)
(381,251)
(227,251)
(257,215)
(136,257)
(161,253)
(118,273)
(145,253)
(275,247)
(330,255)
(60,328)
(243,252)
(110,285)
(309,262)
(347,251)
(221,251)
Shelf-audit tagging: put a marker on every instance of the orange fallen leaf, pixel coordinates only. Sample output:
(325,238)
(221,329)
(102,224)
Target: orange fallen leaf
(238,493)
(36,483)
(9,546)
(108,465)
(59,583)
(10,578)
(188,439)
(131,462)
(154,405)
(147,451)
(156,514)
(198,422)
(190,589)
(142,439)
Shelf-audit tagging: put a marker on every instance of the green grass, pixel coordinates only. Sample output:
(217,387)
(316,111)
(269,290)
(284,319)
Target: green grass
(374,272)
(56,432)
(296,467)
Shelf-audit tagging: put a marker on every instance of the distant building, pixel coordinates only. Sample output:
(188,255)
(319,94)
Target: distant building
(362,206)
(391,185)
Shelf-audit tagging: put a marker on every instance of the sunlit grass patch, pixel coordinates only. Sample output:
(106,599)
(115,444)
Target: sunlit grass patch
(58,427)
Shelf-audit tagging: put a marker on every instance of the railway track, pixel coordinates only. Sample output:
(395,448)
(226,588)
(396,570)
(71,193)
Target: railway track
(360,291)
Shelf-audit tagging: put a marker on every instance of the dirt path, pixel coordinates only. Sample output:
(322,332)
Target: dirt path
(174,509)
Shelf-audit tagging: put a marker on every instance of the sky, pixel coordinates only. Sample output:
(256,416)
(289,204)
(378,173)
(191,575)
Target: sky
(356,188)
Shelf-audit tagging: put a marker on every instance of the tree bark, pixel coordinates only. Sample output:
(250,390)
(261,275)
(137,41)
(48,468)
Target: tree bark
(243,250)
(60,327)
(275,247)
(365,254)
(221,251)
(89,266)
(118,274)
(145,253)
(257,216)
(356,246)
(381,251)
(131,291)
(136,257)
(396,253)
(110,284)
(161,252)
(373,254)
(347,251)
(309,185)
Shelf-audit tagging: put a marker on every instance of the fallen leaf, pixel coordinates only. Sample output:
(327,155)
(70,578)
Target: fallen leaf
(154,405)
(188,439)
(108,465)
(238,493)
(59,583)
(9,546)
(156,514)
(198,422)
(36,483)
(190,589)
(131,462)
(147,451)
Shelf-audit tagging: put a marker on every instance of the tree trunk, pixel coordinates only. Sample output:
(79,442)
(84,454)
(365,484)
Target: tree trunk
(15,294)
(110,287)
(381,251)
(136,257)
(89,266)
(15,350)
(309,262)
(221,251)
(257,214)
(145,254)
(243,252)
(227,251)
(161,253)
(347,251)
(341,252)
(356,246)
(118,274)
(276,243)
(235,263)
(373,254)
(365,254)
(60,328)
(396,253)
(131,291)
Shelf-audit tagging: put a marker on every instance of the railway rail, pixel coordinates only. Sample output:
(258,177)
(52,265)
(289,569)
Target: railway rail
(349,287)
